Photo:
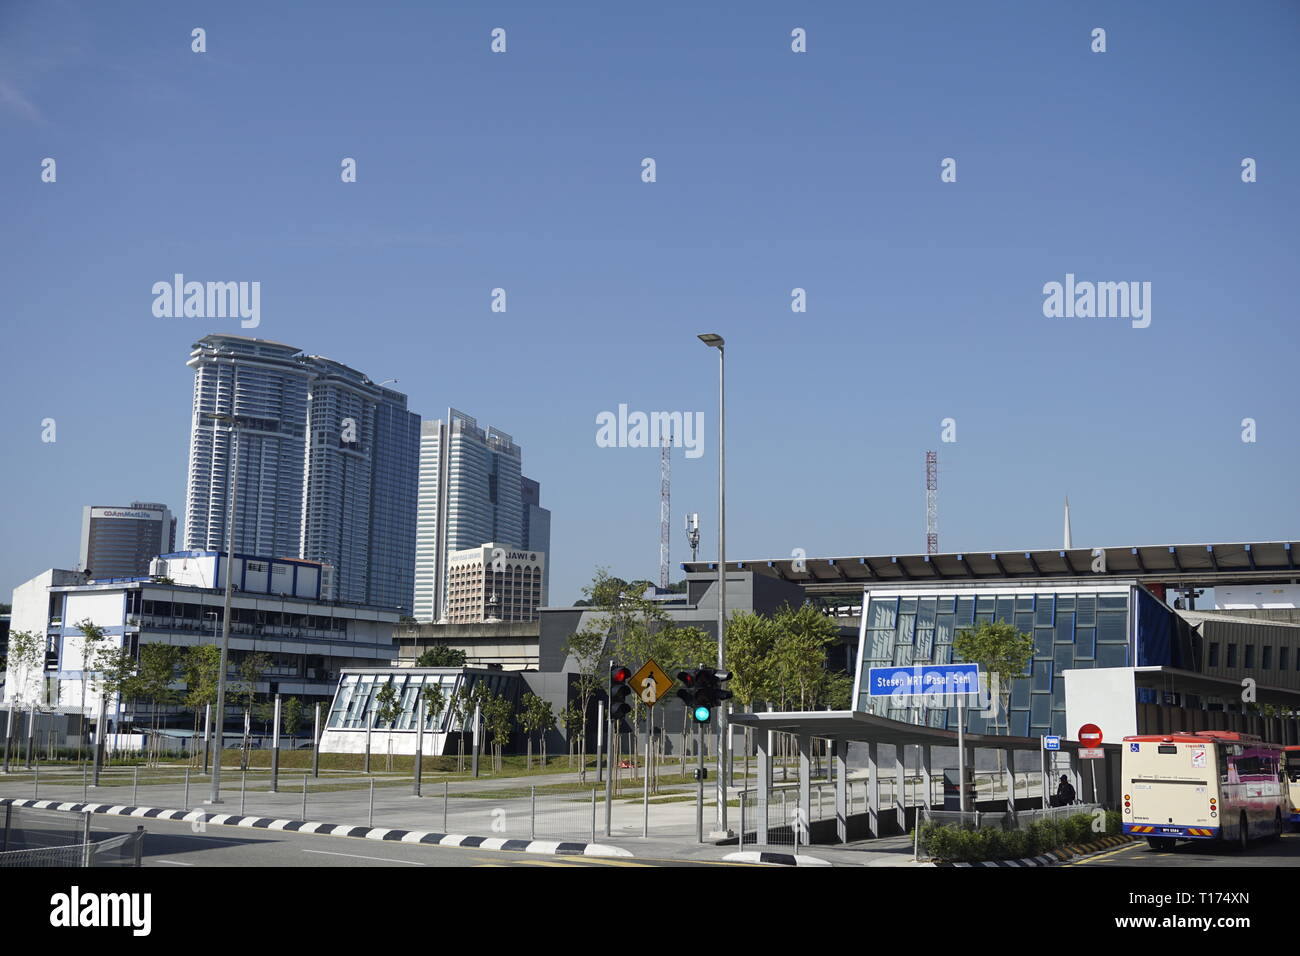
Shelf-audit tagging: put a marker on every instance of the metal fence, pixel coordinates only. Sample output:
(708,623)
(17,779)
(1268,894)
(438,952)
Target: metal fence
(522,813)
(123,850)
(1002,820)
(55,838)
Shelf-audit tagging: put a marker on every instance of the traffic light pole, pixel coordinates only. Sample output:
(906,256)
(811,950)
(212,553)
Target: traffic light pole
(609,777)
(699,796)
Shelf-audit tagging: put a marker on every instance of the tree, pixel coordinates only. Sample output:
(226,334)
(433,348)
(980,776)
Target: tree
(92,637)
(388,709)
(251,668)
(1001,651)
(157,672)
(798,654)
(496,721)
(536,717)
(435,702)
(25,651)
(587,649)
(441,657)
(200,666)
(574,725)
(291,715)
(117,679)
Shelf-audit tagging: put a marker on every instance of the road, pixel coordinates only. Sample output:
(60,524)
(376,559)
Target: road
(1283,852)
(176,845)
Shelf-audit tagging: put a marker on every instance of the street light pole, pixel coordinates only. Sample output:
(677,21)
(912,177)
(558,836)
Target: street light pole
(220,716)
(715,341)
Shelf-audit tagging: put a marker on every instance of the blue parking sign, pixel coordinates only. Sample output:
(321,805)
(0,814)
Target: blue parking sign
(1052,743)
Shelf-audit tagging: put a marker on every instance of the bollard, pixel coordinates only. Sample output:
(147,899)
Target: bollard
(304,796)
(370,819)
(187,788)
(593,814)
(444,806)
(532,813)
(36,780)
(243,789)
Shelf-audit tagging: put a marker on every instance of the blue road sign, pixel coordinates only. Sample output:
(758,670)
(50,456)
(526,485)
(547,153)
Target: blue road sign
(1051,743)
(923,679)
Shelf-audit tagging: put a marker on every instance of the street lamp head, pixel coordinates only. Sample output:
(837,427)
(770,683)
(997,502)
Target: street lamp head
(712,340)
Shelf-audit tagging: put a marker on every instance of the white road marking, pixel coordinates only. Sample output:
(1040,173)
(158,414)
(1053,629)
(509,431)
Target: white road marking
(355,856)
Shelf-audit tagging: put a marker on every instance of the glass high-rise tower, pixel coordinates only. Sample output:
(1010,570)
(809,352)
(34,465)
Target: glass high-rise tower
(328,465)
(472,492)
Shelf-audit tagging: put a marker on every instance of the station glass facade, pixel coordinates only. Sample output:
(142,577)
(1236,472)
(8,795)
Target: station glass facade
(1071,628)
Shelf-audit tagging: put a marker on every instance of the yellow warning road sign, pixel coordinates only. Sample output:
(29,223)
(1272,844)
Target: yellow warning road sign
(650,683)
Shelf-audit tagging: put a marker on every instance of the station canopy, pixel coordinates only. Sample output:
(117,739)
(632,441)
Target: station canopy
(1187,565)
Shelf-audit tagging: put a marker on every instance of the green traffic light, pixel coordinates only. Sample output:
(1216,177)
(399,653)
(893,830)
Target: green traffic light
(702,715)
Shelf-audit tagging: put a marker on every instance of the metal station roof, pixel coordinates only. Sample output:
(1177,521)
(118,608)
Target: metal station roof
(1204,565)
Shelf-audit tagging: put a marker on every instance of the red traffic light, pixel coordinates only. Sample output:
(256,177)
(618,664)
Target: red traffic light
(687,678)
(620,675)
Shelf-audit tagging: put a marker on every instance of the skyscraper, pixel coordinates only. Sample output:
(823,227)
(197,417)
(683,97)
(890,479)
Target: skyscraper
(120,542)
(328,465)
(471,492)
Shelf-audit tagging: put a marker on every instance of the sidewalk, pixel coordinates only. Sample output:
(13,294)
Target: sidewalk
(476,808)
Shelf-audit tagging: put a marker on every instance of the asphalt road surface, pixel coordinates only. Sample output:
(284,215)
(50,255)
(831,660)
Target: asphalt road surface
(176,845)
(1203,853)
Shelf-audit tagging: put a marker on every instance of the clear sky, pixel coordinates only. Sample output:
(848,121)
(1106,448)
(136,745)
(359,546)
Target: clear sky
(775,170)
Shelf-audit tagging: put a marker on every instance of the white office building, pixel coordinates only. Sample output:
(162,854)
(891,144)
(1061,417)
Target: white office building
(277,608)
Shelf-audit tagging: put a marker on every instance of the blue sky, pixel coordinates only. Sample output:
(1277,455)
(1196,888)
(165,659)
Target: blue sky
(775,170)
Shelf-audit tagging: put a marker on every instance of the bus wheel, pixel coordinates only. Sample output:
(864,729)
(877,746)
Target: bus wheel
(1243,833)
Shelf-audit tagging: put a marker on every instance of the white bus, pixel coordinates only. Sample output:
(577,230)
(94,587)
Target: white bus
(1208,785)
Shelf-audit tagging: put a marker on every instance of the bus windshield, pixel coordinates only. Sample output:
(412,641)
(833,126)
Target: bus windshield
(1293,765)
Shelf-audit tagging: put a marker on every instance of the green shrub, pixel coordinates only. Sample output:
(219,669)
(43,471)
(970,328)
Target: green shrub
(958,845)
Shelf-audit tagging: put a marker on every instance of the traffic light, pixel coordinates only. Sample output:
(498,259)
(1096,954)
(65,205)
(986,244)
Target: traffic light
(709,692)
(619,691)
(689,693)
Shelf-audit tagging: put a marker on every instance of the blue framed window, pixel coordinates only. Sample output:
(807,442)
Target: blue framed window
(1043,612)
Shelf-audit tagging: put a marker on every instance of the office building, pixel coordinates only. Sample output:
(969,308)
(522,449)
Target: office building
(493,583)
(278,608)
(472,492)
(328,465)
(121,541)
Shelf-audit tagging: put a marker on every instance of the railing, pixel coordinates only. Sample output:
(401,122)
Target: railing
(124,850)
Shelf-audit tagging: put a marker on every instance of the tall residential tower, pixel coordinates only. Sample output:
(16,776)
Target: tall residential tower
(328,465)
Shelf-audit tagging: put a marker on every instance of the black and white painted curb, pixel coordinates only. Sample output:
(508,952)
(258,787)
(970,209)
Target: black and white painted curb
(1053,858)
(775,859)
(548,847)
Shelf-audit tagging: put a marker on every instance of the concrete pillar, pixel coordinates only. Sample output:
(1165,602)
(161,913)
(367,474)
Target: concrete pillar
(927,782)
(841,790)
(804,743)
(764,783)
(873,791)
(900,786)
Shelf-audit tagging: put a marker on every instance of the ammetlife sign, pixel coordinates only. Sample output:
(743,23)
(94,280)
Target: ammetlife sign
(923,679)
(139,515)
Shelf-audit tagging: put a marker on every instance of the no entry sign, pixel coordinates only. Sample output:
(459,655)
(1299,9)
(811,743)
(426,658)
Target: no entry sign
(1090,735)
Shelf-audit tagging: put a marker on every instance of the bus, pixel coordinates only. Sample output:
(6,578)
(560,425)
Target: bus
(1292,767)
(1207,785)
